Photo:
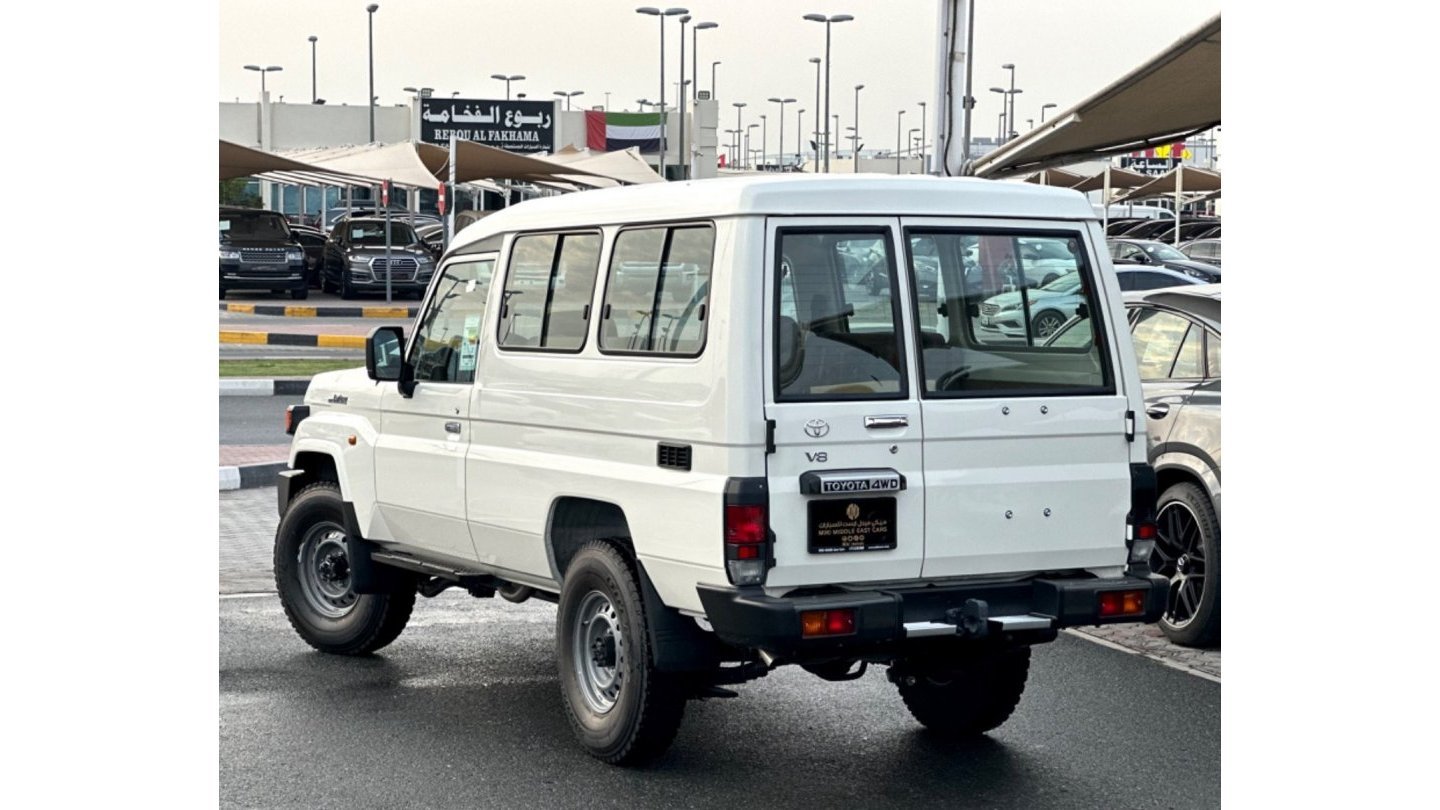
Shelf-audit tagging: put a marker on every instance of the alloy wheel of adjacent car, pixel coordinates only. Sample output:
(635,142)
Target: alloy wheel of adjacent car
(1046,323)
(1187,554)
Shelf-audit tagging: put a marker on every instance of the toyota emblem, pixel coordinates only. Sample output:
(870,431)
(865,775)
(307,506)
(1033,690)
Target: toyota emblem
(816,428)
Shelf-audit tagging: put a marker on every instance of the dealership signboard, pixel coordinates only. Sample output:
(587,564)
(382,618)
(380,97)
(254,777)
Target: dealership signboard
(519,126)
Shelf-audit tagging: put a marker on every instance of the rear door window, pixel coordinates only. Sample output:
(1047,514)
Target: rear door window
(997,299)
(837,316)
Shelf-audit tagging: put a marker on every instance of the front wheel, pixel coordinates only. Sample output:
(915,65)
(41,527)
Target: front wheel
(1187,553)
(312,574)
(347,292)
(300,294)
(621,708)
(970,698)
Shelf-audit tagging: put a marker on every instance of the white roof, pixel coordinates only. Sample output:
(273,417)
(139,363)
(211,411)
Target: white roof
(786,194)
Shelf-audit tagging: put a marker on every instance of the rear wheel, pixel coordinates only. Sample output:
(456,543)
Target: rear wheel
(621,708)
(972,698)
(1187,553)
(1046,323)
(300,294)
(312,574)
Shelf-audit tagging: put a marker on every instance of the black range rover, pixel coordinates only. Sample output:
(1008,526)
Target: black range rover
(258,252)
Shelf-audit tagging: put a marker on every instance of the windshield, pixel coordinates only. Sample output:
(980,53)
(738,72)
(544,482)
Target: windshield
(1068,283)
(253,226)
(373,233)
(1163,252)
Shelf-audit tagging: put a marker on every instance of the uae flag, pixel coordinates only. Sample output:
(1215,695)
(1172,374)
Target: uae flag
(612,131)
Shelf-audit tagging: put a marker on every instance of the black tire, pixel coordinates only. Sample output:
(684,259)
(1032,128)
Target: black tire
(1187,553)
(321,607)
(972,699)
(300,294)
(1046,323)
(346,291)
(625,713)
(222,292)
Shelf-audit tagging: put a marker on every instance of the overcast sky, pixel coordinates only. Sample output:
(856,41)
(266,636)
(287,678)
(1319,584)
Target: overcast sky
(1063,51)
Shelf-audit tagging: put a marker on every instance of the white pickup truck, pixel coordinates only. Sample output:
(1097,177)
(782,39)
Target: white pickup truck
(672,410)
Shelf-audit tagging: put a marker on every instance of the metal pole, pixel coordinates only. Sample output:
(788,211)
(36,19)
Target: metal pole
(969,99)
(816,132)
(827,96)
(714,94)
(924,169)
(764,137)
(450,198)
(855,144)
(371,15)
(681,91)
(897,142)
(387,251)
(314,94)
(799,119)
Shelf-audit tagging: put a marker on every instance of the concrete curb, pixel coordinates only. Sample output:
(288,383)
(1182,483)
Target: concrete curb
(245,387)
(321,312)
(246,476)
(283,339)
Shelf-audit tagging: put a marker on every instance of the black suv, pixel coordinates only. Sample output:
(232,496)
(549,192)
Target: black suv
(355,258)
(258,252)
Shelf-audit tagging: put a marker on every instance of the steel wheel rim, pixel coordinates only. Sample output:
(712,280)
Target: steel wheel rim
(1179,556)
(598,652)
(324,564)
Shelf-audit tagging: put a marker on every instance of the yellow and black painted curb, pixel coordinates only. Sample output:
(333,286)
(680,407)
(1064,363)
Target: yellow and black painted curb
(280,339)
(292,311)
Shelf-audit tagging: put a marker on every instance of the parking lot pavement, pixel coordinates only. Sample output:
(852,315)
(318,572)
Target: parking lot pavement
(248,518)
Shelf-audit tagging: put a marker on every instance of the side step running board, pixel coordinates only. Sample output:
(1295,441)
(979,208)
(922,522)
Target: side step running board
(477,584)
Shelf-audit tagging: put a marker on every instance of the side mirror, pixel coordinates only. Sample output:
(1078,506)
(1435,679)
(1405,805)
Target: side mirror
(383,358)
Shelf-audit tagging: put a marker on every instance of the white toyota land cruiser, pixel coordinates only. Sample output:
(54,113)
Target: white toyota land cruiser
(734,424)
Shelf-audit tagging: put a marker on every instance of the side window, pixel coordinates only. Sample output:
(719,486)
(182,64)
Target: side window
(1157,337)
(835,338)
(988,324)
(658,290)
(447,341)
(1188,364)
(546,301)
(1212,356)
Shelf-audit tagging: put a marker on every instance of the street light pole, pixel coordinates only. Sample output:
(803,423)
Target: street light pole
(764,137)
(713,93)
(854,143)
(799,119)
(897,142)
(370,16)
(695,57)
(507,79)
(680,149)
(569,95)
(661,15)
(816,132)
(262,72)
(739,127)
(923,168)
(314,93)
(834,18)
(1010,113)
(748,162)
(1043,108)
(782,102)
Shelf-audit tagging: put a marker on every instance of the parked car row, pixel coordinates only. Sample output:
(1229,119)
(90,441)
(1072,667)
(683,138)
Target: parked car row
(1163,228)
(1158,254)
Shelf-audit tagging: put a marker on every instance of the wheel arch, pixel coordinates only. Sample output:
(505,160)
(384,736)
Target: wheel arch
(1177,468)
(575,521)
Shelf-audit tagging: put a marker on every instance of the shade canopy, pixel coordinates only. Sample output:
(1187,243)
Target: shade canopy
(1181,179)
(1055,177)
(243,161)
(1174,95)
(1119,178)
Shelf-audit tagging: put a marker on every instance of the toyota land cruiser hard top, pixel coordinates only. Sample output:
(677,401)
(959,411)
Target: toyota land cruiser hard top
(690,415)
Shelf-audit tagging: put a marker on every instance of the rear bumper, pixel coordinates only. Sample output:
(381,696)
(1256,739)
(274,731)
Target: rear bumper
(891,618)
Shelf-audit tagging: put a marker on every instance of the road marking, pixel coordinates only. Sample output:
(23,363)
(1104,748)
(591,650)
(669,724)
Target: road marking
(247,595)
(386,312)
(340,341)
(299,312)
(244,309)
(1103,642)
(259,338)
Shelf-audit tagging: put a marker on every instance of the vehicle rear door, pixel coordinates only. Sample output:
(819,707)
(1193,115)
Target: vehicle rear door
(1026,454)
(846,488)
(1171,351)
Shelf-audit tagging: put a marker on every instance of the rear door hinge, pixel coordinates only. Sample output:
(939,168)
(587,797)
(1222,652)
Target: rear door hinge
(1130,426)
(769,437)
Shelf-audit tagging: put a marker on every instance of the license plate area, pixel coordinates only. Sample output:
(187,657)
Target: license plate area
(838,525)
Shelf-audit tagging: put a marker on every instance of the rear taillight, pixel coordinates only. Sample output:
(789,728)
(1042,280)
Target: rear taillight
(747,531)
(1122,603)
(827,623)
(294,415)
(1140,528)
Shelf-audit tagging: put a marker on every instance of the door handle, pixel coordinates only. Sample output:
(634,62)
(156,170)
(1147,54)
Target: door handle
(452,427)
(1157,410)
(872,422)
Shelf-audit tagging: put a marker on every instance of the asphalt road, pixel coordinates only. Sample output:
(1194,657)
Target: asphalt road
(255,420)
(464,711)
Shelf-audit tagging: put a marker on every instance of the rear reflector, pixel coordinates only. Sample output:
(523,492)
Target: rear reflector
(827,623)
(1145,531)
(1122,603)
